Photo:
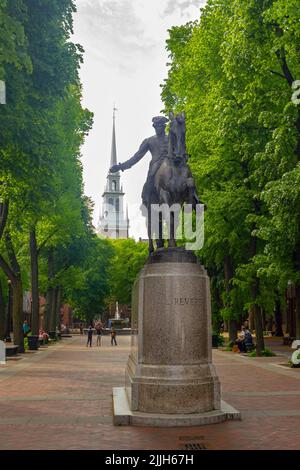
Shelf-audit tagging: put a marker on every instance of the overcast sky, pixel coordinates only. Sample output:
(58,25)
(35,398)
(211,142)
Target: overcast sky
(124,63)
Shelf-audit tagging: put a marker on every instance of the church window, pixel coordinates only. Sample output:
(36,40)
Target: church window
(111,202)
(114,185)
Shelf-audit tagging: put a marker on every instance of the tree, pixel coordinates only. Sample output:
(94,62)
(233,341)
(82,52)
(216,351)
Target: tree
(232,73)
(42,128)
(129,258)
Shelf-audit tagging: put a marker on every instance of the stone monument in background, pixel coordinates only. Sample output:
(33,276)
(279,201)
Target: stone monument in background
(170,379)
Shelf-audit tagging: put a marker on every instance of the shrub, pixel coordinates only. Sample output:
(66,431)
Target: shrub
(266,353)
(229,346)
(218,338)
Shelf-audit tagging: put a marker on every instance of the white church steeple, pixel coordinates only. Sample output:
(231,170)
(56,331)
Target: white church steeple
(114,222)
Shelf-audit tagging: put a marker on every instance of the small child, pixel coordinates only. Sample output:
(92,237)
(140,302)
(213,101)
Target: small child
(113,335)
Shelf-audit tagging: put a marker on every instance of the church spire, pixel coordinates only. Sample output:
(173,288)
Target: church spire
(113,222)
(113,160)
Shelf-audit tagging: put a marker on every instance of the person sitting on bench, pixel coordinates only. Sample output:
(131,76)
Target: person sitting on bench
(240,342)
(248,340)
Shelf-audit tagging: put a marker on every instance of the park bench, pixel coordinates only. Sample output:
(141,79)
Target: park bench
(287,340)
(43,341)
(64,335)
(85,331)
(11,350)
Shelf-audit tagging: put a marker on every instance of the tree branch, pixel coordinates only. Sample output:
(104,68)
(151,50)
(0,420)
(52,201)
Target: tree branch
(42,245)
(3,217)
(278,74)
(12,256)
(284,66)
(6,269)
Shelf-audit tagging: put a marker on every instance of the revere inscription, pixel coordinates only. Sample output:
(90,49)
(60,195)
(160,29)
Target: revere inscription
(185,301)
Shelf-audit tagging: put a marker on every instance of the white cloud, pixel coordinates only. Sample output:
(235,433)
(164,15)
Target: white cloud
(113,32)
(182,6)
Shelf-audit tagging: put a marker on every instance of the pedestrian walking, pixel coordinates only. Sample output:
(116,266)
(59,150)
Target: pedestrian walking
(90,336)
(26,328)
(99,333)
(113,335)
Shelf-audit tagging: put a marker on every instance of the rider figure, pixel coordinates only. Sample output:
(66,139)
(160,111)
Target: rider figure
(157,145)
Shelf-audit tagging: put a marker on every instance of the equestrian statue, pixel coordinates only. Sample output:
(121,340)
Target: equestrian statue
(169,181)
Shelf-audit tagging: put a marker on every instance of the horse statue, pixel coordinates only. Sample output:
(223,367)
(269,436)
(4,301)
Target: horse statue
(169,179)
(173,184)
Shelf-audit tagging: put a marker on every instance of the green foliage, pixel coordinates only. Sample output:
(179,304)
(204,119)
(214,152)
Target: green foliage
(220,339)
(42,128)
(265,353)
(232,74)
(86,286)
(229,346)
(129,258)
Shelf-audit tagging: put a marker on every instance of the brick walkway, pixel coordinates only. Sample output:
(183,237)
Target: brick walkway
(60,398)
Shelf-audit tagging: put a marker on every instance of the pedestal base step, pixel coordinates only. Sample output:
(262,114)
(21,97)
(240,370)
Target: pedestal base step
(123,416)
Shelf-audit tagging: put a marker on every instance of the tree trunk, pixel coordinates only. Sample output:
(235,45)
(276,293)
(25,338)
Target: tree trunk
(58,305)
(13,272)
(8,312)
(269,324)
(48,309)
(278,317)
(228,275)
(291,326)
(298,311)
(258,321)
(2,315)
(53,316)
(35,318)
(264,321)
(260,344)
(50,292)
(233,330)
(17,314)
(251,320)
(3,220)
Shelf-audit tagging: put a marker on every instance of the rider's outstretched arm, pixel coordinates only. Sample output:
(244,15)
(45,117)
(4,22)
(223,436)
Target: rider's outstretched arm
(135,159)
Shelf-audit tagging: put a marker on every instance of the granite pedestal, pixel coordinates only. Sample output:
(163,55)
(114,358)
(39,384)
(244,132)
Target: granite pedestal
(170,379)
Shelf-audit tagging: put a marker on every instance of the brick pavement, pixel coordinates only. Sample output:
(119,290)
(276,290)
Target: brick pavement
(61,398)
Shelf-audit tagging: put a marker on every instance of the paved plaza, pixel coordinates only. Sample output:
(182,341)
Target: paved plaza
(61,398)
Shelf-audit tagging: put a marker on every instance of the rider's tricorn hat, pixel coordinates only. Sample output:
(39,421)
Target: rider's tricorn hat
(160,120)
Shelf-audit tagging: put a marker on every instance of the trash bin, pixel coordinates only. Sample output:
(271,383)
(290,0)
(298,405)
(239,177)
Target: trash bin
(215,341)
(33,343)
